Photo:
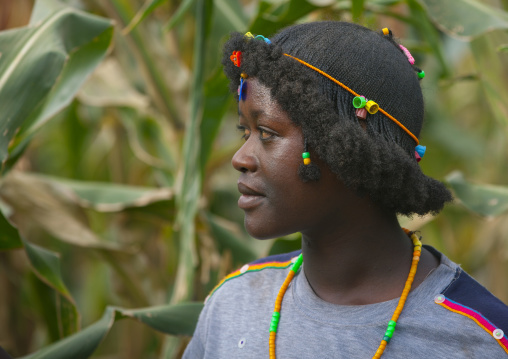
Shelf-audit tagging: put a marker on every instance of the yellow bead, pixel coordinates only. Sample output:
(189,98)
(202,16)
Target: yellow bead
(371,107)
(386,31)
(306,161)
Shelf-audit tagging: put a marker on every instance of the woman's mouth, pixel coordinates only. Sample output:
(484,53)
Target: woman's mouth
(250,197)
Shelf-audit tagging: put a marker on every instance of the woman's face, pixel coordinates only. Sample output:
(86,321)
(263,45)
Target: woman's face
(275,200)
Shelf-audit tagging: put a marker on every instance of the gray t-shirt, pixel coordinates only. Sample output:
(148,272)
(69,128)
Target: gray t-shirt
(236,319)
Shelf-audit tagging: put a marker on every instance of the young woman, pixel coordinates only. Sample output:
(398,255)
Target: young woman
(347,100)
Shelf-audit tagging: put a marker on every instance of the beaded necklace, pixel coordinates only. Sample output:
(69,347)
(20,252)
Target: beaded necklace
(391,324)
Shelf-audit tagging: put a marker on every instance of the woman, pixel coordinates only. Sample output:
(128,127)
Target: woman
(347,100)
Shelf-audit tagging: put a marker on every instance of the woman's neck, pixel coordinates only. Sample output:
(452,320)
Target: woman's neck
(361,262)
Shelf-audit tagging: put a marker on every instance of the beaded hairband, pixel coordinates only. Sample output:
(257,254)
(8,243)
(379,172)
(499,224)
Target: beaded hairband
(361,104)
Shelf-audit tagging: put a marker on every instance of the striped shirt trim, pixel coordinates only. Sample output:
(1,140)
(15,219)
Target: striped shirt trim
(477,317)
(251,268)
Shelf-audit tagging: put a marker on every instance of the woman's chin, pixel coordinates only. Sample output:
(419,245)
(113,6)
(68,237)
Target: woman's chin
(262,229)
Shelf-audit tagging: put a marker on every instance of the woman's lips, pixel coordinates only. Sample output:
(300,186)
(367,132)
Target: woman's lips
(250,197)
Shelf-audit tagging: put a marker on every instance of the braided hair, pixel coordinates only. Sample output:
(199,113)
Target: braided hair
(376,159)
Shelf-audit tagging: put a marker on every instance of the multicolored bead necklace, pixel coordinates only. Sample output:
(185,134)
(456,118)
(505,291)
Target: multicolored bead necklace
(391,324)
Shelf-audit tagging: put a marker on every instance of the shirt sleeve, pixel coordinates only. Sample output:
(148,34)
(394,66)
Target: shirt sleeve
(196,347)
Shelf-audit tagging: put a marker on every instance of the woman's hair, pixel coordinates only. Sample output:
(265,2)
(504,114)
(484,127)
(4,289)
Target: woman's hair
(377,161)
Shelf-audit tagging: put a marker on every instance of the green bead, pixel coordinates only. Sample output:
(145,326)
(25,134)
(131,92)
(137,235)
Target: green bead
(387,339)
(392,323)
(275,319)
(273,328)
(389,332)
(297,263)
(306,155)
(421,74)
(359,102)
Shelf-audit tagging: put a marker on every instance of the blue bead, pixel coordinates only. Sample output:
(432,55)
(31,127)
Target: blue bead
(242,92)
(421,150)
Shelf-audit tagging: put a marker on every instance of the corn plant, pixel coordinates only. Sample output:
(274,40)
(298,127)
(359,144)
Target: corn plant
(117,198)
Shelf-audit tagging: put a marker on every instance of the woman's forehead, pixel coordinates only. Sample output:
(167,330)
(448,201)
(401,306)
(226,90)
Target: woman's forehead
(259,103)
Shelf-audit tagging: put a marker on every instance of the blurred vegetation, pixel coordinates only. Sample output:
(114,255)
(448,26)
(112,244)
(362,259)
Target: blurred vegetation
(117,133)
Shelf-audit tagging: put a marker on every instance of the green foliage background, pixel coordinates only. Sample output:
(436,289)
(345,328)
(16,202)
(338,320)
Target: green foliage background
(117,197)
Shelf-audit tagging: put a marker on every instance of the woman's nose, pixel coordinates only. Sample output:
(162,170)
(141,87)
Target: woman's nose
(244,159)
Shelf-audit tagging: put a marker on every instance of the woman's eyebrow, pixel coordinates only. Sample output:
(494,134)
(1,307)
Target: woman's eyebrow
(255,114)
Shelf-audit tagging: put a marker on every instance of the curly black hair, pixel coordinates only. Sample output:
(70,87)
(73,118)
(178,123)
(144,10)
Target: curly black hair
(376,161)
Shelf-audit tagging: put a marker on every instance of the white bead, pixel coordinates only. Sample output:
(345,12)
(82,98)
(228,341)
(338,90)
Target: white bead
(498,333)
(439,298)
(241,343)
(244,268)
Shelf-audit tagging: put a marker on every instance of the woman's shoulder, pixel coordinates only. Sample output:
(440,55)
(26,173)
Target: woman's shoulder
(257,276)
(471,306)
(465,296)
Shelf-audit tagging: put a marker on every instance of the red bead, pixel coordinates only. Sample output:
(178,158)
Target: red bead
(236,58)
(361,113)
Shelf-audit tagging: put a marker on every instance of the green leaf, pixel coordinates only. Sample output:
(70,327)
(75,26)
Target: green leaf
(179,319)
(286,244)
(80,345)
(38,204)
(46,265)
(9,235)
(178,15)
(485,200)
(108,197)
(357,9)
(232,13)
(228,236)
(188,198)
(150,140)
(43,65)
(148,7)
(271,18)
(428,32)
(143,47)
(217,101)
(489,68)
(108,86)
(502,48)
(465,19)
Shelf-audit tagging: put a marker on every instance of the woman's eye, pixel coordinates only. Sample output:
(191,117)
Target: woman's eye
(244,131)
(264,135)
